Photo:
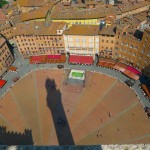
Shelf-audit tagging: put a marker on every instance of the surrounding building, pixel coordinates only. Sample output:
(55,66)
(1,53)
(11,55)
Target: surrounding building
(144,53)
(127,46)
(35,38)
(107,42)
(6,58)
(82,40)
(74,27)
(5,29)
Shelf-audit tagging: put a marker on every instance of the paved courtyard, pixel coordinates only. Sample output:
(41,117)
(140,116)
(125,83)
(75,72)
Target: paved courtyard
(105,111)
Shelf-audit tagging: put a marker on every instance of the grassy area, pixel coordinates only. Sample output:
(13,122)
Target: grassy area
(77,74)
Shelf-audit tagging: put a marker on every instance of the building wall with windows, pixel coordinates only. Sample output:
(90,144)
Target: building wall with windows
(134,51)
(107,41)
(144,53)
(30,45)
(39,39)
(6,58)
(127,47)
(5,29)
(106,46)
(81,44)
(82,40)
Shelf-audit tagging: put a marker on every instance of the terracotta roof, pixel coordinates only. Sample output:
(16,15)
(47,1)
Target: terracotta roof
(38,13)
(100,11)
(110,30)
(4,24)
(141,16)
(31,3)
(131,6)
(16,19)
(49,30)
(2,15)
(37,28)
(23,29)
(90,2)
(82,30)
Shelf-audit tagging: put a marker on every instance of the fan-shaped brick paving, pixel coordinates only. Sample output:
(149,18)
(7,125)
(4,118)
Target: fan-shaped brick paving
(87,109)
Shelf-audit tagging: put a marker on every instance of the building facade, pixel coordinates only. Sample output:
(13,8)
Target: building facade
(37,39)
(6,58)
(107,42)
(5,29)
(82,40)
(144,53)
(134,51)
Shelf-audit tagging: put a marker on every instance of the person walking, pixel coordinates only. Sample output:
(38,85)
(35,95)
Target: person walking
(110,115)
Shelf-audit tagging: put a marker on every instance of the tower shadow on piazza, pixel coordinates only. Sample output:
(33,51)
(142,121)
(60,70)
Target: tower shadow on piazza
(54,103)
(15,138)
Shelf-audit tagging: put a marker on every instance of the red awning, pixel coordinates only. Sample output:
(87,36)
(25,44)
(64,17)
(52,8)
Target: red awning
(12,68)
(74,59)
(2,83)
(132,69)
(81,59)
(35,59)
(54,56)
(86,60)
(57,56)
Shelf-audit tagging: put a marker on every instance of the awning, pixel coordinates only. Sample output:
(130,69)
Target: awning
(131,75)
(110,61)
(2,83)
(12,68)
(88,60)
(77,59)
(74,59)
(120,67)
(135,71)
(35,59)
(54,56)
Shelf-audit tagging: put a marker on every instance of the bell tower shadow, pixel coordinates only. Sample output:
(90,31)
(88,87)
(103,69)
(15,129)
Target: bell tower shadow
(54,103)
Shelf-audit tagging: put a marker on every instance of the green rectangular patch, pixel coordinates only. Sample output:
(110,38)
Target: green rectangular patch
(77,74)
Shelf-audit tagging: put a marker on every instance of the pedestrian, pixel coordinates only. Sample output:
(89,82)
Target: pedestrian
(102,120)
(110,115)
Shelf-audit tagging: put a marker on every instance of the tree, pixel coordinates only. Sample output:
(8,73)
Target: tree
(2,3)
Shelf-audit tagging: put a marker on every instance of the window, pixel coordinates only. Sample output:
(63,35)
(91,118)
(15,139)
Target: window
(90,45)
(90,39)
(77,39)
(83,39)
(97,40)
(70,39)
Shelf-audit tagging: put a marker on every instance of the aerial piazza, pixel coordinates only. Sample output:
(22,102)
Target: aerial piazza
(74,74)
